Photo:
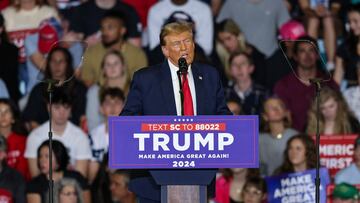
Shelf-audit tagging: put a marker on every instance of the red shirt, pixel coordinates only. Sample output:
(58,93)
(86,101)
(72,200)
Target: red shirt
(298,98)
(15,154)
(222,194)
(6,196)
(4,4)
(142,8)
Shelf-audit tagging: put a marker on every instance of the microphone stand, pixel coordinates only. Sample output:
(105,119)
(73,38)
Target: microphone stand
(317,83)
(50,89)
(179,73)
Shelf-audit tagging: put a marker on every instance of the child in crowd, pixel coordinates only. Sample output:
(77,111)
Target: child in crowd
(112,102)
(254,190)
(242,87)
(230,184)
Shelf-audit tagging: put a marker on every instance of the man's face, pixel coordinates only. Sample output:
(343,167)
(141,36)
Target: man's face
(306,56)
(118,187)
(112,31)
(240,68)
(111,106)
(179,45)
(60,113)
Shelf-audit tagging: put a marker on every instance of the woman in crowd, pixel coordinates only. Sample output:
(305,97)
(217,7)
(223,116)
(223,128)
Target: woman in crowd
(58,67)
(67,191)
(230,184)
(232,40)
(335,117)
(299,155)
(276,131)
(23,18)
(37,188)
(254,190)
(348,54)
(15,134)
(115,75)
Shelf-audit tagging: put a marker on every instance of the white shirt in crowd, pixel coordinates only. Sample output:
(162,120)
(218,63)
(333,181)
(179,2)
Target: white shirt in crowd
(73,138)
(352,97)
(99,140)
(199,12)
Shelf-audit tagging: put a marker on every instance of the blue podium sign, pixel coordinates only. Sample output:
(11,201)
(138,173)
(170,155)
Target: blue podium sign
(150,142)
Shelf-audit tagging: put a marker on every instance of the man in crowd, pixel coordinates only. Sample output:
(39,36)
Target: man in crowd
(113,31)
(86,19)
(295,89)
(119,181)
(73,138)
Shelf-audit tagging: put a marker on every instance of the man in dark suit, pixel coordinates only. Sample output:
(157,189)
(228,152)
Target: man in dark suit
(155,91)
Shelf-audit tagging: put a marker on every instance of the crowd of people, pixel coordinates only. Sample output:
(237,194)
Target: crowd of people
(266,52)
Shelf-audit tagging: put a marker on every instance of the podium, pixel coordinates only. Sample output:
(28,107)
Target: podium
(182,154)
(186,186)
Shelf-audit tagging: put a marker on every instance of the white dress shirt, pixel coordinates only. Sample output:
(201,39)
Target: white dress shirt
(176,87)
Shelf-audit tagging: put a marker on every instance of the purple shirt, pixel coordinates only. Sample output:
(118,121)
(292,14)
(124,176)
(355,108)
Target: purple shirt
(298,98)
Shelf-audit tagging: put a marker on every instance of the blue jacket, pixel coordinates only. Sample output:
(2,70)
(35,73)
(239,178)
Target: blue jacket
(151,93)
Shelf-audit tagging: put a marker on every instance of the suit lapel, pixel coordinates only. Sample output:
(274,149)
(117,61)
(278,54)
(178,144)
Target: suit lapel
(200,89)
(167,88)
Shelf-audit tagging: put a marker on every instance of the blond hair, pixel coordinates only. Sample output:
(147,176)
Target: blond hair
(175,28)
(230,26)
(342,123)
(125,77)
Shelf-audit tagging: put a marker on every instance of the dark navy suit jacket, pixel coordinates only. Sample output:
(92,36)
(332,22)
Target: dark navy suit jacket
(151,93)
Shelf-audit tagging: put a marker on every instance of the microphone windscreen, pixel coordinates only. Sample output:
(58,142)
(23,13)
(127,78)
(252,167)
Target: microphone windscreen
(183,66)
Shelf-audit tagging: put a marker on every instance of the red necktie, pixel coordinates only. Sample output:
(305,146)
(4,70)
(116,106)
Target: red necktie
(188,103)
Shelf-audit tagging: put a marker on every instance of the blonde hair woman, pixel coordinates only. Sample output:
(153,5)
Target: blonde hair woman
(115,75)
(231,40)
(335,116)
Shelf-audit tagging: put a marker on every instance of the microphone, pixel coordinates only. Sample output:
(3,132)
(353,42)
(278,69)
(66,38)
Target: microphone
(183,66)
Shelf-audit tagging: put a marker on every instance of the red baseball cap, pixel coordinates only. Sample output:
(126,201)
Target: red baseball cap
(292,30)
(50,32)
